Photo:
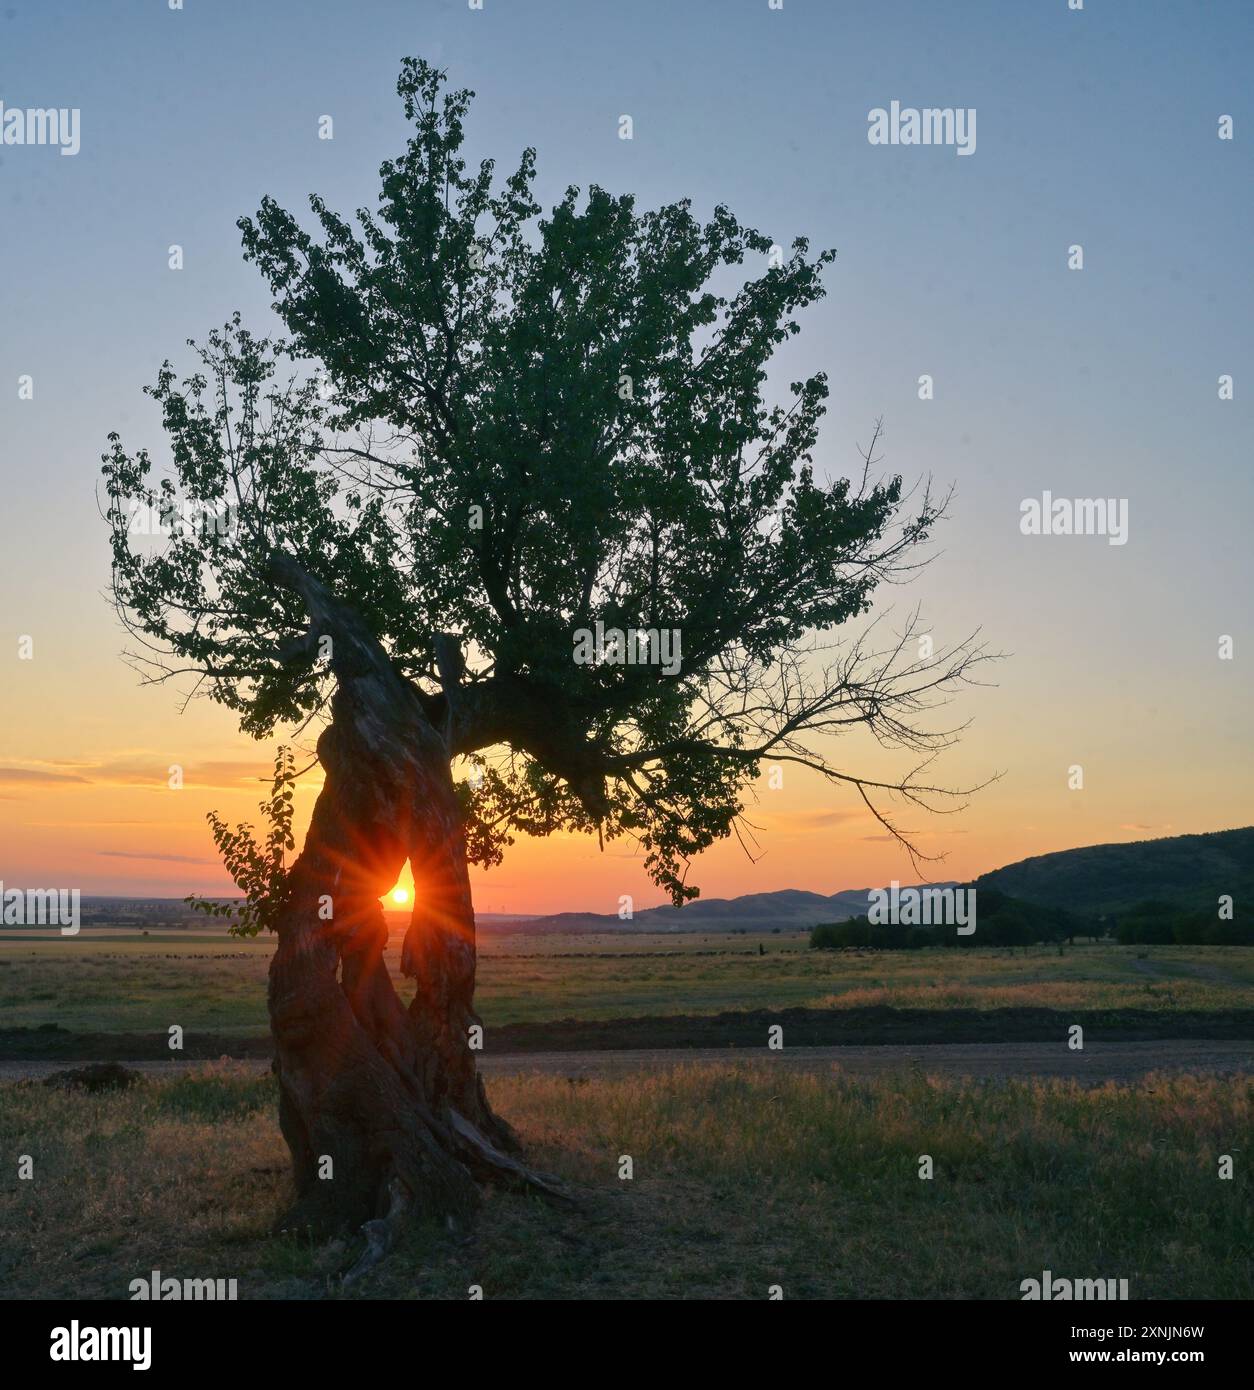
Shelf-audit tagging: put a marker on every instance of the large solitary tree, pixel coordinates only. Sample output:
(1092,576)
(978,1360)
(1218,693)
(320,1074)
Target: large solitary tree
(487,435)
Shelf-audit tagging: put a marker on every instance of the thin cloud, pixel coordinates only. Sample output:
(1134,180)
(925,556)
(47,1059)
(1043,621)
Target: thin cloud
(144,768)
(25,775)
(153,771)
(167,858)
(805,821)
(88,824)
(916,835)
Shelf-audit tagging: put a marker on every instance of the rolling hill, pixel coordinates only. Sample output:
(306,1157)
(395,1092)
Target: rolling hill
(1187,871)
(789,908)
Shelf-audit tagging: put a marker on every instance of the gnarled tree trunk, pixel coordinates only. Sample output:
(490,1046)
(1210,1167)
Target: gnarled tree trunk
(381,1105)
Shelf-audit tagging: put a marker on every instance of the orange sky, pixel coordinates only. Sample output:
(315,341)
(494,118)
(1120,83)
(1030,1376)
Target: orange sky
(84,799)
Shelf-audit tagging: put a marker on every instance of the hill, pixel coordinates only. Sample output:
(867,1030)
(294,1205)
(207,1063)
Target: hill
(789,908)
(1187,871)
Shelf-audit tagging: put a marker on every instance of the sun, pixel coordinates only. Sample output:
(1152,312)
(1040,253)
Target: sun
(400,895)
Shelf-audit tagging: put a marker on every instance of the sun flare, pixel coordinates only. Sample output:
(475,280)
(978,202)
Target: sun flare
(400,895)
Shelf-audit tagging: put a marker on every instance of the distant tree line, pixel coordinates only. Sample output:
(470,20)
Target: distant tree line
(1162,924)
(1000,921)
(1005,921)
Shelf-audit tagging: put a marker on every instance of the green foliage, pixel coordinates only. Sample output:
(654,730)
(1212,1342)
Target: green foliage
(859,932)
(258,868)
(1162,924)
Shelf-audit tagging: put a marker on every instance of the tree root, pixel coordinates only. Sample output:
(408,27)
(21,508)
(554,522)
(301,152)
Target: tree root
(381,1234)
(484,1161)
(487,1161)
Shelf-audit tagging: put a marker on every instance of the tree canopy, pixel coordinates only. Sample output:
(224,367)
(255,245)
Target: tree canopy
(488,430)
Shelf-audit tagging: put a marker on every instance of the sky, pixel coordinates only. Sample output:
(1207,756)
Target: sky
(1097,127)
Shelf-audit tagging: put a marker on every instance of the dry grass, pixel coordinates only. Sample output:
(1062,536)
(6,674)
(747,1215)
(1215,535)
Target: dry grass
(1169,996)
(742,1179)
(220,987)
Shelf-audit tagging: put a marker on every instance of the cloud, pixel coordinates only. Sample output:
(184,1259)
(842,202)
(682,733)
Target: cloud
(802,822)
(917,835)
(89,824)
(817,819)
(27,774)
(168,858)
(144,769)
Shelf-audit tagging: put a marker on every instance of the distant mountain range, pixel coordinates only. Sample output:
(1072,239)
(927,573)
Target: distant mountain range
(790,908)
(1187,871)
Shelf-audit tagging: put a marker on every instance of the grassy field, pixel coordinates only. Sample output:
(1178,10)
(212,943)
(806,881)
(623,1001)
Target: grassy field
(742,1180)
(216,984)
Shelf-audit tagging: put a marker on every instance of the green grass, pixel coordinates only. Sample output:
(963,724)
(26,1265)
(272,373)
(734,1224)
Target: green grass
(135,985)
(219,985)
(743,1179)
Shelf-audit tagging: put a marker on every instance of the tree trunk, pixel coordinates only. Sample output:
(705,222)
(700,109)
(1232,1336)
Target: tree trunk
(381,1105)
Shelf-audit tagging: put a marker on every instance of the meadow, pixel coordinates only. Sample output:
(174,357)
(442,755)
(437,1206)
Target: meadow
(742,1180)
(214,983)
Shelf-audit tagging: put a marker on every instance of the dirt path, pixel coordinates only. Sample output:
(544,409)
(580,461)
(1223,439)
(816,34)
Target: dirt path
(1099,1062)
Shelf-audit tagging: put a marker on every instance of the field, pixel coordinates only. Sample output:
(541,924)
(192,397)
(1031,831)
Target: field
(216,984)
(741,1181)
(745,1176)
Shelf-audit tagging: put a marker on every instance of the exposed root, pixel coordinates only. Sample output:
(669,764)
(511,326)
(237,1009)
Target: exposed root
(485,1160)
(381,1234)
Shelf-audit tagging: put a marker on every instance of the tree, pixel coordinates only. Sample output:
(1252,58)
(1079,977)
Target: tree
(493,449)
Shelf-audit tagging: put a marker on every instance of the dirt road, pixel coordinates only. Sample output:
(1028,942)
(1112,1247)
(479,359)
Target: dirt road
(1099,1062)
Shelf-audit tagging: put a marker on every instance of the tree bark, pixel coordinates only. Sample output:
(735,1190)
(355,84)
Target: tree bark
(381,1105)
